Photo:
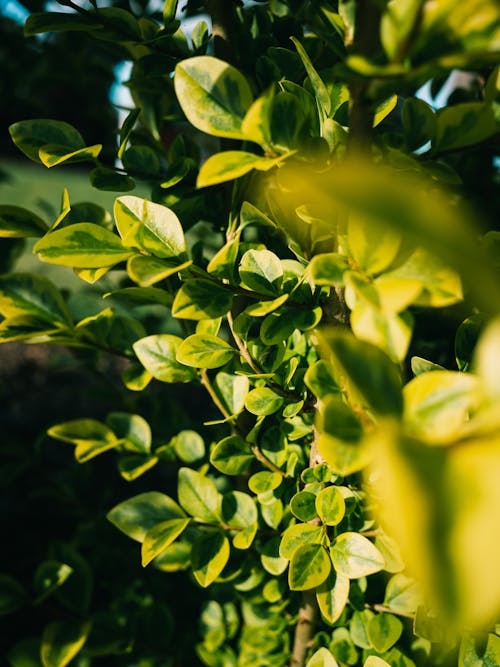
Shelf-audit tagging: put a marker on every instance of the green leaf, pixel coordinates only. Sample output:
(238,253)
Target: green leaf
(302,505)
(391,553)
(340,421)
(119,25)
(201,300)
(322,658)
(132,467)
(485,361)
(310,565)
(358,627)
(372,246)
(141,160)
(158,355)
(53,154)
(134,430)
(239,510)
(419,123)
(32,135)
(62,641)
(223,262)
(229,165)
(40,22)
(343,647)
(319,379)
(169,11)
(25,294)
(136,516)
(17,222)
(50,575)
(261,270)
(189,446)
(84,245)
(126,130)
(264,481)
(468,656)
(198,495)
(320,91)
(370,374)
(204,351)
(12,595)
(90,437)
(278,326)
(374,661)
(103,178)
(383,109)
(213,95)
(466,339)
(464,124)
(384,630)
(209,556)
(145,225)
(299,535)
(438,404)
(390,332)
(231,455)
(328,268)
(355,556)
(160,536)
(288,122)
(24,327)
(243,540)
(402,595)
(233,390)
(136,377)
(140,296)
(255,125)
(397,24)
(263,401)
(76,594)
(263,308)
(330,506)
(332,596)
(146,270)
(251,215)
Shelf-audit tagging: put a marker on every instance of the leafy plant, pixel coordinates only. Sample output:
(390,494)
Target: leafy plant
(342,506)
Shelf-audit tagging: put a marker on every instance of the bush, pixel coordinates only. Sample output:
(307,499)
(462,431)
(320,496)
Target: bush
(321,272)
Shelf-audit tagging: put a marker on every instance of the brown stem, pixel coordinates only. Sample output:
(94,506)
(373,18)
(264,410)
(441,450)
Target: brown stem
(223,33)
(306,623)
(367,44)
(205,381)
(304,630)
(383,609)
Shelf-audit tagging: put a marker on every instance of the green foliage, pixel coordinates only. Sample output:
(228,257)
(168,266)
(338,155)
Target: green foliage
(336,509)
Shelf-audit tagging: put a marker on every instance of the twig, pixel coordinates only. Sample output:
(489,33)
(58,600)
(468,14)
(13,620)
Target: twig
(304,630)
(387,610)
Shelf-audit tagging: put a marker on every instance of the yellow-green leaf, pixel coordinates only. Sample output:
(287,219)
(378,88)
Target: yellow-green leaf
(83,245)
(160,536)
(355,556)
(62,641)
(310,565)
(230,165)
(213,95)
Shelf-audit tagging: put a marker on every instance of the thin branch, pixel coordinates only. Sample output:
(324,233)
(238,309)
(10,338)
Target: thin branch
(223,22)
(205,381)
(242,348)
(304,630)
(366,43)
(383,609)
(265,461)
